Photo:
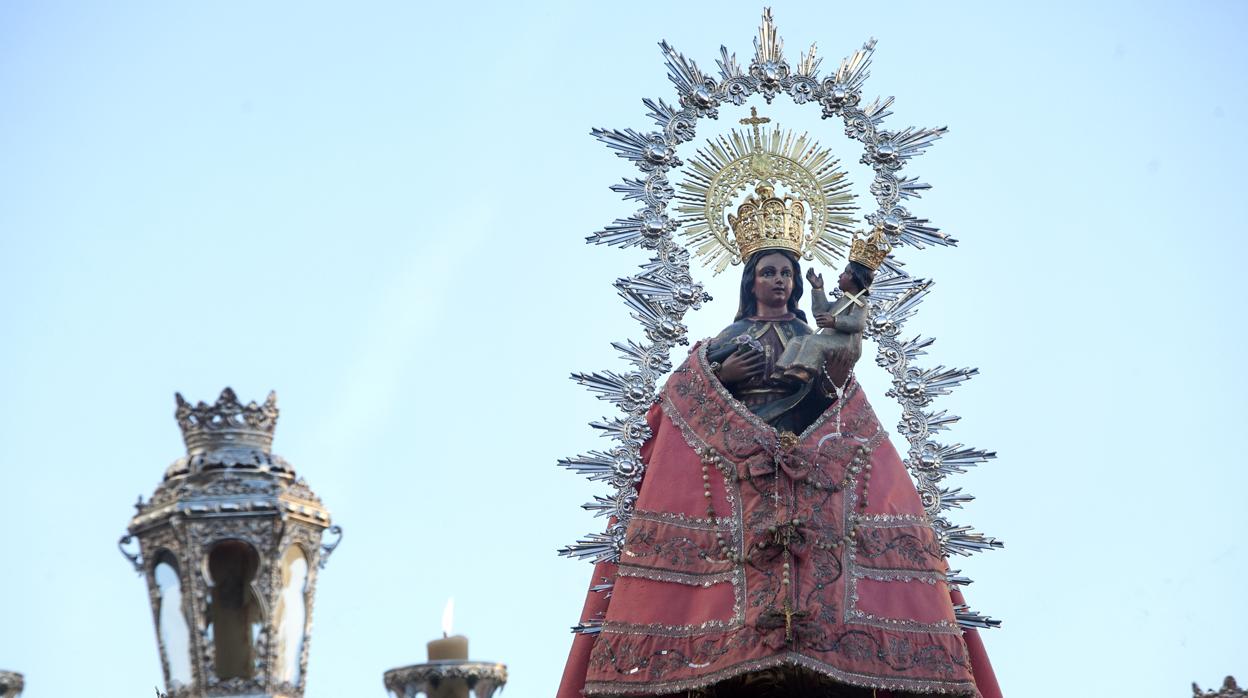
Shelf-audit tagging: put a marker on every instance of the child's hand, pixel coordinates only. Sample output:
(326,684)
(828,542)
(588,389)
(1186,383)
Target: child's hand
(816,280)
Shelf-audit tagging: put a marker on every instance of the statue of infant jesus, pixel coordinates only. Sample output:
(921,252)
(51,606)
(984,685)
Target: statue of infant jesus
(841,322)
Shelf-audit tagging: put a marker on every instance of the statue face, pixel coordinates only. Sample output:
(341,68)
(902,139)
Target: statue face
(773,280)
(846,281)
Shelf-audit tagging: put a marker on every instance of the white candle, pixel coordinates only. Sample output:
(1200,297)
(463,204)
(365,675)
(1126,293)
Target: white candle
(449,647)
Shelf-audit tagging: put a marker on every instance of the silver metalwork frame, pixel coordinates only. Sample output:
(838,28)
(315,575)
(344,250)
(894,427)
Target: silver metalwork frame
(230,487)
(11,684)
(483,679)
(1229,689)
(660,295)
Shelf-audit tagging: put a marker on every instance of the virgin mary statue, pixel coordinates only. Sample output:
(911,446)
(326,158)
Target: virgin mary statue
(778,545)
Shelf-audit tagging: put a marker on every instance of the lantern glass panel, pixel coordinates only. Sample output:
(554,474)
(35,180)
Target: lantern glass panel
(174,631)
(292,613)
(234,613)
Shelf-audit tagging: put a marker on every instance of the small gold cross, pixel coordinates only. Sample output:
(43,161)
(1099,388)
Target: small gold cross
(754,120)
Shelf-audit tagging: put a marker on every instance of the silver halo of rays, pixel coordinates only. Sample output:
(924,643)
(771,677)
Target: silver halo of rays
(659,295)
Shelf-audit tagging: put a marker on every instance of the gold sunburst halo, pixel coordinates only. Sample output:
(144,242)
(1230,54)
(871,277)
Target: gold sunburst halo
(724,170)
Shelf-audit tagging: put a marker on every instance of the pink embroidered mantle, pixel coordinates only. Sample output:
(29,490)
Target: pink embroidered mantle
(751,549)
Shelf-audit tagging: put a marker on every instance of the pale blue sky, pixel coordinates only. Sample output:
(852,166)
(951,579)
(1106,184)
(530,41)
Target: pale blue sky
(377,209)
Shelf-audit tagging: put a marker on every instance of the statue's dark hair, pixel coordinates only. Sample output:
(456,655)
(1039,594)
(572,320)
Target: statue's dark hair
(748,307)
(861,275)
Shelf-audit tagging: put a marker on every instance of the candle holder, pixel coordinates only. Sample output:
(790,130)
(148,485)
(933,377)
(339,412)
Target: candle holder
(11,684)
(439,677)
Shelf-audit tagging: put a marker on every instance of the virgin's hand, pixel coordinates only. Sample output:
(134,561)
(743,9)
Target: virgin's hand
(742,365)
(827,320)
(816,280)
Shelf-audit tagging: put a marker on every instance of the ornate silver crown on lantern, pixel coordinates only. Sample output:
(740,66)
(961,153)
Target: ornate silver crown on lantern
(812,219)
(227,423)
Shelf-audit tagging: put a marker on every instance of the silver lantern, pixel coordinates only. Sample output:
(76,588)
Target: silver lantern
(230,544)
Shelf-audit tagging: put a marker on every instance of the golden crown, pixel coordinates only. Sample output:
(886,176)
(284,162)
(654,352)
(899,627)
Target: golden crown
(871,250)
(767,222)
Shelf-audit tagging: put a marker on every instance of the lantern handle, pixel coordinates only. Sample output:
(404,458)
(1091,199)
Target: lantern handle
(328,549)
(135,558)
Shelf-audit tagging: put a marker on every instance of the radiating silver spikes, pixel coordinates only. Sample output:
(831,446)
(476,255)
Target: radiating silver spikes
(617,505)
(653,190)
(938,421)
(677,125)
(649,151)
(615,465)
(888,317)
(808,66)
(941,461)
(601,506)
(890,285)
(736,86)
(659,323)
(591,626)
(632,189)
(911,187)
(877,110)
(631,429)
(803,84)
(905,229)
(643,229)
(910,141)
(919,386)
(595,547)
(664,289)
(643,357)
(628,390)
(769,69)
(844,88)
(697,91)
(963,540)
(955,578)
(953,498)
(972,619)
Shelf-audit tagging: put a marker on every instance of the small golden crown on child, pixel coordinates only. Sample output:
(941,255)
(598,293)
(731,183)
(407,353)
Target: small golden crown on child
(871,250)
(767,222)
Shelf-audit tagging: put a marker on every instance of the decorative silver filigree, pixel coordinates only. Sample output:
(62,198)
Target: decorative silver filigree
(482,678)
(230,487)
(660,295)
(769,69)
(1230,689)
(11,684)
(227,422)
